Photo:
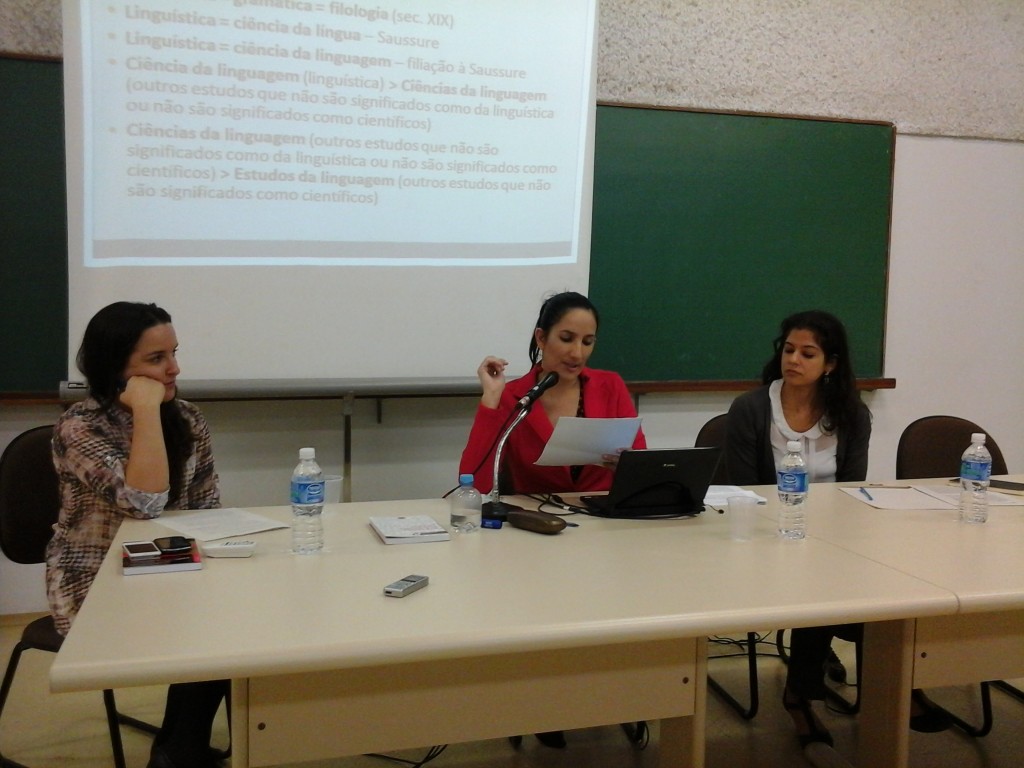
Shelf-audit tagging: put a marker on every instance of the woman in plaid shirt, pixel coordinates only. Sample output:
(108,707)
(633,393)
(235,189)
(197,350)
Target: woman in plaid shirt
(132,448)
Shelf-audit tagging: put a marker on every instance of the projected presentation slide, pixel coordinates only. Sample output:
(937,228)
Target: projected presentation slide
(292,132)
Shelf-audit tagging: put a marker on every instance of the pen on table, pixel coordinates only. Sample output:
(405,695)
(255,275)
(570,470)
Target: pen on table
(866,494)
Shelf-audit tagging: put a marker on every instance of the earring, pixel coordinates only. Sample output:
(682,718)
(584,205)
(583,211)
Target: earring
(827,379)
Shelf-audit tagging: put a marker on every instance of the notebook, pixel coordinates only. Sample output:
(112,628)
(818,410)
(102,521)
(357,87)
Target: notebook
(658,482)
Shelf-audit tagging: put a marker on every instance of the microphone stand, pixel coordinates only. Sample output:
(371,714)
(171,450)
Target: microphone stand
(496,509)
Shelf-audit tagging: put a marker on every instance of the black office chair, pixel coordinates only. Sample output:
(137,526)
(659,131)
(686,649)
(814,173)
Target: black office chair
(29,506)
(714,433)
(931,447)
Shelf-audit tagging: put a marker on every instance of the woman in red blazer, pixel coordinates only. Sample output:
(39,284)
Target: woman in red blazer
(563,339)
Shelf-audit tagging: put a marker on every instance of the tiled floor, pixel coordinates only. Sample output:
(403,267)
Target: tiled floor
(45,730)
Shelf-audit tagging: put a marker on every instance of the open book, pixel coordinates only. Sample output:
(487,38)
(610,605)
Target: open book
(410,529)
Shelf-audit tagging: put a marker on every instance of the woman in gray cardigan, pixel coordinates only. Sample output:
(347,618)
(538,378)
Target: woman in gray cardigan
(809,394)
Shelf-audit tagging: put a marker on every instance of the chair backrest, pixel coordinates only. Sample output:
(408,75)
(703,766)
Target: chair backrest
(932,446)
(29,496)
(712,435)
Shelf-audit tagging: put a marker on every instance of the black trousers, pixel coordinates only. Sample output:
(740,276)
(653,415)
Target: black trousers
(808,651)
(184,736)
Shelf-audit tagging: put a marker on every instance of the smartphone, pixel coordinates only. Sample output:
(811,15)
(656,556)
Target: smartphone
(405,586)
(173,545)
(140,550)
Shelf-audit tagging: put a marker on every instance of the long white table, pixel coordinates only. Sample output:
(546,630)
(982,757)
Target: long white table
(516,633)
(983,565)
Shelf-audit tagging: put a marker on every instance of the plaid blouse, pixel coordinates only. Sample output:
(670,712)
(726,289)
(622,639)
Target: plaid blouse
(90,451)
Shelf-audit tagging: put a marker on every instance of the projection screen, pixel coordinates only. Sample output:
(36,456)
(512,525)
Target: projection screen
(330,189)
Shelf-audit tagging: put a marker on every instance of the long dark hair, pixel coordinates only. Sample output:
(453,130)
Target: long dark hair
(837,390)
(553,310)
(108,342)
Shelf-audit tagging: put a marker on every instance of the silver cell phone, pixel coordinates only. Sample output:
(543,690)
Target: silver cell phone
(140,550)
(405,586)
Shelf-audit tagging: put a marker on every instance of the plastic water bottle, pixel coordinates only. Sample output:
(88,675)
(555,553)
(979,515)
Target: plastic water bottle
(307,504)
(975,469)
(792,475)
(466,506)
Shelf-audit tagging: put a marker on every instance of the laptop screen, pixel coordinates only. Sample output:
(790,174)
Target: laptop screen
(658,482)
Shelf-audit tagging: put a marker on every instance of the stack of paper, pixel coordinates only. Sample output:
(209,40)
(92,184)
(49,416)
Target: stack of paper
(921,496)
(213,524)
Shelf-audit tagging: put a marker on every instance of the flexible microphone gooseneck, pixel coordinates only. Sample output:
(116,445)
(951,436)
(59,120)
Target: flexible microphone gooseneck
(538,389)
(496,509)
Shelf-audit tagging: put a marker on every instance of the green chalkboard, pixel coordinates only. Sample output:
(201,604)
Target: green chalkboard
(33,227)
(709,228)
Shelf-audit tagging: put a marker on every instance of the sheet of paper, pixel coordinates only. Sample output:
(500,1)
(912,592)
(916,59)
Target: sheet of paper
(211,524)
(585,441)
(951,495)
(718,495)
(896,498)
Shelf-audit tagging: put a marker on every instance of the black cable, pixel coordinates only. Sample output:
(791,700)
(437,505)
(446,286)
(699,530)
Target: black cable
(551,500)
(628,516)
(490,450)
(758,640)
(432,753)
(741,645)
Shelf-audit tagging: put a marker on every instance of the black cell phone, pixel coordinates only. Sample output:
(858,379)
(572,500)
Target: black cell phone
(173,545)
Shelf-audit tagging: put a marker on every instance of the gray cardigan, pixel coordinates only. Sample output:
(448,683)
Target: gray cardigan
(748,447)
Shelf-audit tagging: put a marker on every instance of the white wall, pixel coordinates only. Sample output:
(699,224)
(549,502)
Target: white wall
(955,329)
(954,332)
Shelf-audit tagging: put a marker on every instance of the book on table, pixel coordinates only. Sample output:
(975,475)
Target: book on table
(408,529)
(165,563)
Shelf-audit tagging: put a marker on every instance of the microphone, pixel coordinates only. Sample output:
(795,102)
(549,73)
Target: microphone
(496,509)
(539,389)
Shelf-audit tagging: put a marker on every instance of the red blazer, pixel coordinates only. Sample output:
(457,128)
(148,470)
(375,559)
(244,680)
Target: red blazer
(604,395)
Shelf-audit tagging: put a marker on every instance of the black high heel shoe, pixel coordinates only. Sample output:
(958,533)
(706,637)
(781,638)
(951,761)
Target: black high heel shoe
(553,739)
(816,732)
(931,718)
(834,668)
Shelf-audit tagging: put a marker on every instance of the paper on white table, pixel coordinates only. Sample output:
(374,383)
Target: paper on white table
(951,495)
(211,524)
(718,495)
(895,498)
(585,441)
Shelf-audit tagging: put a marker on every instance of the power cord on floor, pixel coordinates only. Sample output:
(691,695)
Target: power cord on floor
(432,753)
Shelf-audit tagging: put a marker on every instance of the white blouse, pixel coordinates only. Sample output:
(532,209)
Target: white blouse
(819,447)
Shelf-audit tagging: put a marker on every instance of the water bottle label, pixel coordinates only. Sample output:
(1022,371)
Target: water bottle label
(792,482)
(975,470)
(307,491)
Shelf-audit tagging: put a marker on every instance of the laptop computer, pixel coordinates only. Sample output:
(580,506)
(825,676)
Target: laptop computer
(658,482)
